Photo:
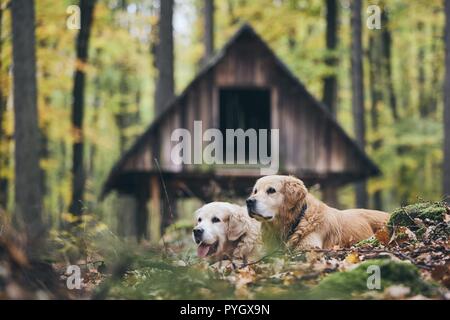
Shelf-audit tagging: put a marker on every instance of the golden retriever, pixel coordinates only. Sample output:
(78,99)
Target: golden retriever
(292,215)
(225,230)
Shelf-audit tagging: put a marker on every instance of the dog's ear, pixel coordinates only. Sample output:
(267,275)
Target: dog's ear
(294,192)
(237,225)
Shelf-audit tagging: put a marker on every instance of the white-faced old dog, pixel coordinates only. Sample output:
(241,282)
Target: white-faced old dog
(292,215)
(225,231)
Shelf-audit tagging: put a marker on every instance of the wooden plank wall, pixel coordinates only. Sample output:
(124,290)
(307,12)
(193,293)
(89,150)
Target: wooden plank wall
(310,143)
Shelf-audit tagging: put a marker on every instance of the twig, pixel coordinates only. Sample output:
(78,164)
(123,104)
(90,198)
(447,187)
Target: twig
(164,187)
(261,259)
(398,254)
(167,198)
(404,256)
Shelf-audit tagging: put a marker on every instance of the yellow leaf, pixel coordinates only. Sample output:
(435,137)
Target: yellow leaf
(352,258)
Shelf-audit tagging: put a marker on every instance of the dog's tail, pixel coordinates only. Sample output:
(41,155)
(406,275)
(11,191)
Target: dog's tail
(376,219)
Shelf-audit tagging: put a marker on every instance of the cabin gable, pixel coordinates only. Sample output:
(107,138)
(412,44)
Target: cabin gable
(312,145)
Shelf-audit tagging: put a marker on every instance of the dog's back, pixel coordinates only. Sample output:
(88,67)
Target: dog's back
(354,225)
(377,219)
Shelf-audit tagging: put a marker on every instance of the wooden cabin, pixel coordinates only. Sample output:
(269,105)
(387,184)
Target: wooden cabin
(244,86)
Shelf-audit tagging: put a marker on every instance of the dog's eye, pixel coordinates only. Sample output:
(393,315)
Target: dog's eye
(270,190)
(215,220)
(199,220)
(255,191)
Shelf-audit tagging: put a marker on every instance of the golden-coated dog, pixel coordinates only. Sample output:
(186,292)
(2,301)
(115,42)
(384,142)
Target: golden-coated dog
(225,230)
(293,216)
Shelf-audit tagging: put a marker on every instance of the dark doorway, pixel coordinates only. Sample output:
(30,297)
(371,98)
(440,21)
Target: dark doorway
(245,109)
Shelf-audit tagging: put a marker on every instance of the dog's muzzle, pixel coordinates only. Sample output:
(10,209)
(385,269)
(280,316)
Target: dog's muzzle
(198,235)
(251,204)
(251,209)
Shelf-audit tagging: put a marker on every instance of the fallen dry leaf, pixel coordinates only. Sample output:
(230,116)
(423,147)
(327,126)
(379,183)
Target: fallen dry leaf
(442,274)
(382,236)
(353,258)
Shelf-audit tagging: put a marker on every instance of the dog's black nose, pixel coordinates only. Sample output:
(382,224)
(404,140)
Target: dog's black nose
(250,202)
(198,232)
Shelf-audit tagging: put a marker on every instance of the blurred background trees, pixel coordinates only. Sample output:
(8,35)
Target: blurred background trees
(134,49)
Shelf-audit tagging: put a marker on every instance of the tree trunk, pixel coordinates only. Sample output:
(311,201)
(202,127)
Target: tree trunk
(82,43)
(28,197)
(330,85)
(376,97)
(330,82)
(96,113)
(233,19)
(122,117)
(446,169)
(4,144)
(164,57)
(435,67)
(209,30)
(358,92)
(387,63)
(423,103)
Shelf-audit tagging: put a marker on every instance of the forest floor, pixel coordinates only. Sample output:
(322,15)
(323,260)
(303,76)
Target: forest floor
(411,256)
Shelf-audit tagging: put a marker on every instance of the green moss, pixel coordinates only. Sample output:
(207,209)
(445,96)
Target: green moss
(433,211)
(369,242)
(352,284)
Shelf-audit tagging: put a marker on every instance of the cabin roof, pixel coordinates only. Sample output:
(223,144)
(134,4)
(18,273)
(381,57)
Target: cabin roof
(247,31)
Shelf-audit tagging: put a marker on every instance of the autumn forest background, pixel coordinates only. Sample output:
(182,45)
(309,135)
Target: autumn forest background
(96,91)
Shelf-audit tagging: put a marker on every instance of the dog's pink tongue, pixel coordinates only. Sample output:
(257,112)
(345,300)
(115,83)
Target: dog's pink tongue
(202,250)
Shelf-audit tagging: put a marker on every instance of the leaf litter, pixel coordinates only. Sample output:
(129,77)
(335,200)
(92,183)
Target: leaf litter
(412,254)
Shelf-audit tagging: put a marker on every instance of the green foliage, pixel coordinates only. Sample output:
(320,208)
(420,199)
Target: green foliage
(81,238)
(161,279)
